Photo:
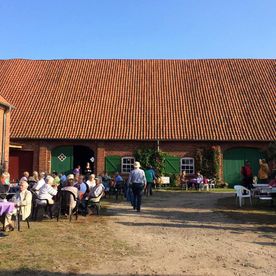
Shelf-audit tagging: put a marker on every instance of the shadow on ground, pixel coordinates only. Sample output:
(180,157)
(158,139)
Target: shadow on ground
(200,210)
(27,272)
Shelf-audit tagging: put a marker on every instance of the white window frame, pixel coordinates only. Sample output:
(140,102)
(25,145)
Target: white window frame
(123,169)
(188,171)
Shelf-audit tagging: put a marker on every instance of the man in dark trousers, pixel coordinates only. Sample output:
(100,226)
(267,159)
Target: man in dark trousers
(137,180)
(150,176)
(247,174)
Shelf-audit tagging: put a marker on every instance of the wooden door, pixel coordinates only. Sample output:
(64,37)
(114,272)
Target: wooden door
(234,159)
(19,162)
(62,159)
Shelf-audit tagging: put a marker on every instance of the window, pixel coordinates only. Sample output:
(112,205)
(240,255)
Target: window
(188,165)
(127,164)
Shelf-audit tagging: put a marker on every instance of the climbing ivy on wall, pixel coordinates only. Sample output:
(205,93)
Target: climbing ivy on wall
(208,162)
(151,157)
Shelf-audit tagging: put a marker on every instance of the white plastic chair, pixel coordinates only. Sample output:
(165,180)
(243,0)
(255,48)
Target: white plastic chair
(241,193)
(212,183)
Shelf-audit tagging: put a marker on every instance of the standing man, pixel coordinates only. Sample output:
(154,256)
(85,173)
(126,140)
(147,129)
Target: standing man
(77,170)
(247,174)
(150,177)
(263,171)
(138,181)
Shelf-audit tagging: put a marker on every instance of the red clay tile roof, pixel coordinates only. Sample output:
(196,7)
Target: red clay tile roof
(221,99)
(4,102)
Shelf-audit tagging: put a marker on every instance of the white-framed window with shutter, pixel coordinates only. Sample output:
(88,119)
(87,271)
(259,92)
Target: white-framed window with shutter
(127,164)
(187,164)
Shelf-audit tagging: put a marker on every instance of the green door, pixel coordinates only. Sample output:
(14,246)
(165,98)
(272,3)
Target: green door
(112,164)
(172,165)
(62,159)
(234,159)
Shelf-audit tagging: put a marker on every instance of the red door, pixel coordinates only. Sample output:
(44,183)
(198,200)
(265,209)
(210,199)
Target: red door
(20,161)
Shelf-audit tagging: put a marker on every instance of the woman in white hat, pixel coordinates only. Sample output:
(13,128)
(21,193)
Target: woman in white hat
(137,180)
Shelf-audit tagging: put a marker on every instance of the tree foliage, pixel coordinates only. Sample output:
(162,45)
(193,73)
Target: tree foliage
(270,153)
(151,157)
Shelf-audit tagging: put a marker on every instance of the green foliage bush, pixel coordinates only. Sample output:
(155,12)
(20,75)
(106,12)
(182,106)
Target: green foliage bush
(207,161)
(270,153)
(152,157)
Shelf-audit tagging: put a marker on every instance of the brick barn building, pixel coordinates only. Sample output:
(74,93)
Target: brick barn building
(70,112)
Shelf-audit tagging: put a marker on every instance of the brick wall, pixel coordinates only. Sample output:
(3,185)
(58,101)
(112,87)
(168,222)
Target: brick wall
(2,110)
(7,136)
(42,149)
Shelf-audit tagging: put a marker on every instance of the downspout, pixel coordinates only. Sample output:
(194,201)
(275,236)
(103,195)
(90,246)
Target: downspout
(3,141)
(158,148)
(4,138)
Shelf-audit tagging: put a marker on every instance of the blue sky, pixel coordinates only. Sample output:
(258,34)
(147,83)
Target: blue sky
(166,29)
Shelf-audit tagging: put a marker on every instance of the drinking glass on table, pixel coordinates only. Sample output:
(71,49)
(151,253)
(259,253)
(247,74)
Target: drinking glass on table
(17,202)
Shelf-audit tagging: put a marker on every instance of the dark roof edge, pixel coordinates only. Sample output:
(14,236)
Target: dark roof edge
(142,140)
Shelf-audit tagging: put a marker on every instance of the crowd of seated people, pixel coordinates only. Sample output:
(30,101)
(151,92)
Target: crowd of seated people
(197,182)
(45,189)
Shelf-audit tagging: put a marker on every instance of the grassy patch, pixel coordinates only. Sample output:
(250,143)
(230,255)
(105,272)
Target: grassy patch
(48,246)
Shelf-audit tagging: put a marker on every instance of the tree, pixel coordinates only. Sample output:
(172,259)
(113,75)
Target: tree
(151,157)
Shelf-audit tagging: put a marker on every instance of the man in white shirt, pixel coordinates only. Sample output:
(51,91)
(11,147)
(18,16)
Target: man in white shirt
(81,186)
(137,180)
(97,191)
(47,191)
(95,195)
(40,182)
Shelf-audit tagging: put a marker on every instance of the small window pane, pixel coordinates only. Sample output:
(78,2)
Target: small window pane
(187,165)
(127,164)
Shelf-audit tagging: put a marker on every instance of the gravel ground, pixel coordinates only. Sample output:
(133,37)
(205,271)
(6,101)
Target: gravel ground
(179,233)
(176,233)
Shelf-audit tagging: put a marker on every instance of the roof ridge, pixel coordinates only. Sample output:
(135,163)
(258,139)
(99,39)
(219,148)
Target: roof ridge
(138,59)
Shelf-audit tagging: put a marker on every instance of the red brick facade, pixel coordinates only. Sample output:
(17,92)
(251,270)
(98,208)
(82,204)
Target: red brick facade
(42,150)
(4,134)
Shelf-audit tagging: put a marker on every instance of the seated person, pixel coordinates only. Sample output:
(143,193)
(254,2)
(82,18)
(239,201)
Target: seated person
(183,180)
(5,178)
(40,183)
(23,199)
(199,180)
(81,186)
(70,187)
(255,180)
(95,196)
(204,184)
(91,181)
(272,182)
(106,181)
(32,181)
(63,179)
(4,188)
(25,177)
(96,192)
(118,180)
(47,191)
(90,184)
(56,178)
